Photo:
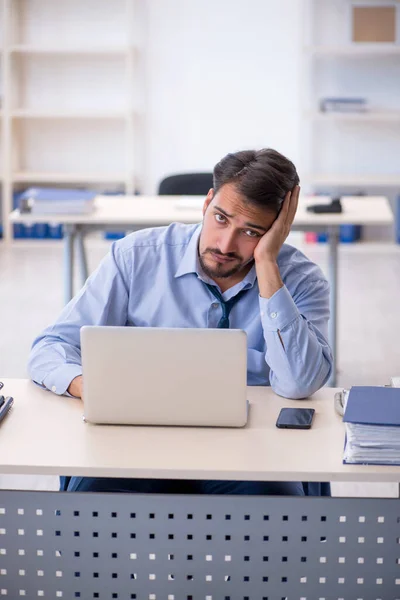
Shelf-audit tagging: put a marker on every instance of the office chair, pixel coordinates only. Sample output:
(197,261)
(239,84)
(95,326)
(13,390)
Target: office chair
(187,184)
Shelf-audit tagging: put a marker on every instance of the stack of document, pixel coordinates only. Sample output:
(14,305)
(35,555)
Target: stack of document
(55,201)
(372,419)
(346,105)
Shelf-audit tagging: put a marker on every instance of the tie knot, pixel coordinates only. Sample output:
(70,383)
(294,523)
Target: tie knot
(226,305)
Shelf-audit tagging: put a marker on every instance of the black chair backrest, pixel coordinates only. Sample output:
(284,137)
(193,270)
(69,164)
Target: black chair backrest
(187,184)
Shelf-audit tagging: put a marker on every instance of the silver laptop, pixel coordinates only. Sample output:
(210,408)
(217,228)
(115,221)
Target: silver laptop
(164,376)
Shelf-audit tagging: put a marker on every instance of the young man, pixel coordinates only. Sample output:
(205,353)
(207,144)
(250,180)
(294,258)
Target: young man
(181,276)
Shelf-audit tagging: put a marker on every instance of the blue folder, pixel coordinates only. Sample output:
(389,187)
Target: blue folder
(368,405)
(47,194)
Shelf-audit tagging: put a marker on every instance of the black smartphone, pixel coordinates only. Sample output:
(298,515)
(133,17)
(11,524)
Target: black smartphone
(295,418)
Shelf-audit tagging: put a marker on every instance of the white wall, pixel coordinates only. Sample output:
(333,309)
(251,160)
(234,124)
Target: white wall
(222,75)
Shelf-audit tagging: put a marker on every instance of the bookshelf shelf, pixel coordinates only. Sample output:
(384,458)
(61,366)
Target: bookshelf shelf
(70,177)
(361,50)
(369,116)
(69,109)
(350,152)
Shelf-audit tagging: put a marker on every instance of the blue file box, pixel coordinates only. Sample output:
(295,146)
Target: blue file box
(55,231)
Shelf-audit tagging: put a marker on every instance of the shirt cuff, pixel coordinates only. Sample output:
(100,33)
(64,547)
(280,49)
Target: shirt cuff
(278,311)
(58,380)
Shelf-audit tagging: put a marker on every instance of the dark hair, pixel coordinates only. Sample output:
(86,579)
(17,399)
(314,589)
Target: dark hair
(263,177)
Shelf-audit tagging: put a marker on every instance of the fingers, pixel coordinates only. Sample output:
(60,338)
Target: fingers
(289,206)
(294,201)
(286,205)
(283,213)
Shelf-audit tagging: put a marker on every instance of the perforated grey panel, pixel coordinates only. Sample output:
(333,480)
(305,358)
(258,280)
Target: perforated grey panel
(65,545)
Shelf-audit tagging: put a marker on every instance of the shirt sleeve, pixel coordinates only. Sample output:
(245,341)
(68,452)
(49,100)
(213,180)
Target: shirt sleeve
(296,332)
(55,358)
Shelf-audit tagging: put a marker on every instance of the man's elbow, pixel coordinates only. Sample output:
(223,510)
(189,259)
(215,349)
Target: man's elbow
(292,390)
(36,362)
(297,388)
(33,369)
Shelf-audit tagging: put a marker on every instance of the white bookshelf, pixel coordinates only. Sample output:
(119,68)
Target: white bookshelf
(79,50)
(68,114)
(3,125)
(361,50)
(354,179)
(368,115)
(72,95)
(71,177)
(349,151)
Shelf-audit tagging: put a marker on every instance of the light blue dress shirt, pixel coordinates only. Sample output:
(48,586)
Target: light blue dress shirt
(152,278)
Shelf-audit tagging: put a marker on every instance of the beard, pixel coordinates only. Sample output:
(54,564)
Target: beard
(220,270)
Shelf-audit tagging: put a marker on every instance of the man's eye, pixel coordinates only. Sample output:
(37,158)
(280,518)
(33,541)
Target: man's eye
(251,233)
(220,218)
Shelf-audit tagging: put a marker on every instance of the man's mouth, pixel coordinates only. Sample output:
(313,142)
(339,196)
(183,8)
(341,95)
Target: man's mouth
(221,259)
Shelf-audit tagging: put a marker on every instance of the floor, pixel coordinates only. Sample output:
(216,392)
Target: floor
(369,306)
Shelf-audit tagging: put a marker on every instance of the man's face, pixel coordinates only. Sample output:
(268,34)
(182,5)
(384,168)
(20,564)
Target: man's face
(231,230)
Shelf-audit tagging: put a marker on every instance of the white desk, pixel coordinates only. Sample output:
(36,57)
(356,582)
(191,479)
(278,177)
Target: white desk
(127,212)
(182,546)
(45,434)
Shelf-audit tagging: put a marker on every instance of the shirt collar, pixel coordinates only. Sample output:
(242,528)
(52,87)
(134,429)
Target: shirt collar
(190,264)
(189,261)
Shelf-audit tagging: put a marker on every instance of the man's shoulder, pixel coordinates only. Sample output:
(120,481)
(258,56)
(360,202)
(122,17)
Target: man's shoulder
(292,262)
(175,235)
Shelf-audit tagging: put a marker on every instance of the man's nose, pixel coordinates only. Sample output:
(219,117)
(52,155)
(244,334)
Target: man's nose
(227,242)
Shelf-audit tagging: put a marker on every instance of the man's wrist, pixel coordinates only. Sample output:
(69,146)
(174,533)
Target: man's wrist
(75,387)
(269,277)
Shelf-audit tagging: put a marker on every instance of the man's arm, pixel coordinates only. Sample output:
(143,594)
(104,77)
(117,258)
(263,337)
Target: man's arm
(295,332)
(295,328)
(55,359)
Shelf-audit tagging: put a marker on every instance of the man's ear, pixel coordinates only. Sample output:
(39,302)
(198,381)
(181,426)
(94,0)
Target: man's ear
(208,200)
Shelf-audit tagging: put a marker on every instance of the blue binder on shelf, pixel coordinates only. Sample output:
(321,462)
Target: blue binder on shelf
(348,234)
(55,231)
(113,235)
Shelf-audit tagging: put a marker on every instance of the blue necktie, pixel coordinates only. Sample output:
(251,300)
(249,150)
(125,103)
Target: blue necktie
(225,305)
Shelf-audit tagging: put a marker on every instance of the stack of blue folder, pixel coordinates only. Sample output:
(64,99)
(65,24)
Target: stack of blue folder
(42,201)
(46,200)
(372,420)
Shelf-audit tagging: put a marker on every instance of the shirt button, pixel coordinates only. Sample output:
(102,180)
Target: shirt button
(274,315)
(54,389)
(215,305)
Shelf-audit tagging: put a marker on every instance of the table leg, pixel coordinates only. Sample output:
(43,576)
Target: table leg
(69,235)
(333,269)
(82,257)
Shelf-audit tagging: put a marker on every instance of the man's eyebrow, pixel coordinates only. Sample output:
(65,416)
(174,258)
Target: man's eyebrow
(223,211)
(252,225)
